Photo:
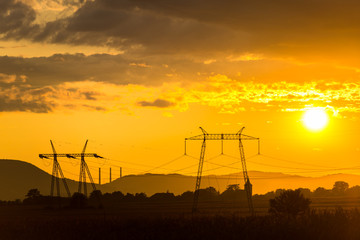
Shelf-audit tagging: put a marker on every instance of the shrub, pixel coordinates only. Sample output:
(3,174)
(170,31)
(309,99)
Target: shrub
(78,200)
(289,203)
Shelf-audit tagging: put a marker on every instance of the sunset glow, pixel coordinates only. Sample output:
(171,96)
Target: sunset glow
(137,77)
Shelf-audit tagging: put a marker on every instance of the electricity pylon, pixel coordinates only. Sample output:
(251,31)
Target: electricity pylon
(223,136)
(55,172)
(83,166)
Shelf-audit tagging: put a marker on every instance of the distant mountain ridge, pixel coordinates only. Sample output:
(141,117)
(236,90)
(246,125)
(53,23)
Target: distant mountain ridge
(17,177)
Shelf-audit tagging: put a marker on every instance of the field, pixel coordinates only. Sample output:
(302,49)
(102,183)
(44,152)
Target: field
(173,220)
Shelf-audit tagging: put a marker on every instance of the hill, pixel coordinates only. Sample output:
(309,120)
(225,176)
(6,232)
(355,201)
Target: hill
(17,177)
(263,182)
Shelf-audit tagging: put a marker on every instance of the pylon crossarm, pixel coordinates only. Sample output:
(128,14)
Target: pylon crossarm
(222,136)
(69,155)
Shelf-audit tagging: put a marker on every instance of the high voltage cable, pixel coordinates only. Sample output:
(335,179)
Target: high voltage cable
(161,166)
(137,164)
(300,163)
(166,163)
(276,166)
(329,170)
(310,170)
(194,165)
(173,160)
(223,166)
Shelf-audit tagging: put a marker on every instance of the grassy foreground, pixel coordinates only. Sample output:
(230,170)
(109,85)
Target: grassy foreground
(92,224)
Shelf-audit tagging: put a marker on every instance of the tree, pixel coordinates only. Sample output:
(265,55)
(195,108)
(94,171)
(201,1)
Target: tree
(340,187)
(233,187)
(33,193)
(322,192)
(353,191)
(78,200)
(289,203)
(186,196)
(207,194)
(117,195)
(140,197)
(166,197)
(233,192)
(96,194)
(33,197)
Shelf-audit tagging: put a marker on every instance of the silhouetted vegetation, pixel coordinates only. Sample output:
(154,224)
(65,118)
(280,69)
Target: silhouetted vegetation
(79,200)
(233,193)
(289,203)
(33,194)
(138,216)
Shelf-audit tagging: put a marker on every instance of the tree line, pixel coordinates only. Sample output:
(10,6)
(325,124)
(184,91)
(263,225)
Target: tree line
(232,193)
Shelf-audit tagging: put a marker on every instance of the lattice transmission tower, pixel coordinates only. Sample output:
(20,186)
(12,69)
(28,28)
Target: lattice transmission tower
(56,172)
(223,136)
(84,169)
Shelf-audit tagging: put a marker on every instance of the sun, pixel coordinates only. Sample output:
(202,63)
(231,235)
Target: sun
(315,119)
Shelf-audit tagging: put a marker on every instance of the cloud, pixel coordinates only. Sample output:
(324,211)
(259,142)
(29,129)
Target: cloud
(16,20)
(234,55)
(110,82)
(59,68)
(220,92)
(90,95)
(25,99)
(160,103)
(18,105)
(4,78)
(308,29)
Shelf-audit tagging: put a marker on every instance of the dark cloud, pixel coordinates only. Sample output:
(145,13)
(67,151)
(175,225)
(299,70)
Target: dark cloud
(130,28)
(59,68)
(313,28)
(160,103)
(96,108)
(16,20)
(40,72)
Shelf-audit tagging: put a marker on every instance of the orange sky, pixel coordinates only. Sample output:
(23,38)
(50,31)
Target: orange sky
(137,77)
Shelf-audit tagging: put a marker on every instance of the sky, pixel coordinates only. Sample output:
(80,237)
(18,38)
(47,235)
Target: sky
(136,77)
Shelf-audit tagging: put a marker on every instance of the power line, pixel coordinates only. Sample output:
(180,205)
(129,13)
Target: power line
(283,160)
(166,163)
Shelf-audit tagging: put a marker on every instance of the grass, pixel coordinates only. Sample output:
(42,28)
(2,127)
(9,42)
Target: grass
(30,223)
(315,226)
(173,220)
